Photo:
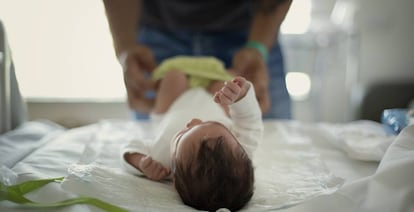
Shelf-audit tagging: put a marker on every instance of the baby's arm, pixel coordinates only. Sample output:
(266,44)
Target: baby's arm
(244,111)
(232,91)
(151,168)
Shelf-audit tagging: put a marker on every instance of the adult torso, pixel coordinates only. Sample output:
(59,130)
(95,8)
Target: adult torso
(198,15)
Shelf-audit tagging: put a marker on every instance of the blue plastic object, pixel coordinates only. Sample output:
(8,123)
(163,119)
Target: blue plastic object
(394,120)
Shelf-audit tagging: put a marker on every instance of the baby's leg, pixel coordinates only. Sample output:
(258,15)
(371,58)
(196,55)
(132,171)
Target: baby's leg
(171,86)
(213,88)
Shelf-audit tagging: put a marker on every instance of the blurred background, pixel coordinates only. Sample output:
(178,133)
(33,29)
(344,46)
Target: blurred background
(337,52)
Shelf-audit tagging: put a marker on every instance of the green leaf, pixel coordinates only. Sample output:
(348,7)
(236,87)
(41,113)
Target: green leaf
(15,193)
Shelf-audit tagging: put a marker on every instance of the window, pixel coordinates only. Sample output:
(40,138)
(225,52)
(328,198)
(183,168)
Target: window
(298,19)
(62,49)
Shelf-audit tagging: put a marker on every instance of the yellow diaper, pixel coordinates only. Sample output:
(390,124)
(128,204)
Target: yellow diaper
(200,70)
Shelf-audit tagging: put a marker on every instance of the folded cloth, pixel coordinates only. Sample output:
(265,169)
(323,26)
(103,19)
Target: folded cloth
(200,70)
(17,144)
(361,140)
(390,188)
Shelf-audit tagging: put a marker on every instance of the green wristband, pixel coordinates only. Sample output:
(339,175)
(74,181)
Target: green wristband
(259,47)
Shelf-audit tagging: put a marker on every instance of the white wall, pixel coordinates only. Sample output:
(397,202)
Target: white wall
(77,113)
(381,48)
(387,40)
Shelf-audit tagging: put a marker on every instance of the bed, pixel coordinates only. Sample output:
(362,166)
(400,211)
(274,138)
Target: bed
(299,166)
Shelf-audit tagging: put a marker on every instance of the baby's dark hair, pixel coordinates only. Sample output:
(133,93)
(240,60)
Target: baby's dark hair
(217,177)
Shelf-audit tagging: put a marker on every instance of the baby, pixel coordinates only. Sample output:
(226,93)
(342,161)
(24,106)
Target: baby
(209,156)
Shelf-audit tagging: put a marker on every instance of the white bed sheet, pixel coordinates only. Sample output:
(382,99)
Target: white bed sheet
(289,163)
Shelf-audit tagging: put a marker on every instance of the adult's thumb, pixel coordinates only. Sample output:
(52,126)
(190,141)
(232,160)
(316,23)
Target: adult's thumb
(150,64)
(147,60)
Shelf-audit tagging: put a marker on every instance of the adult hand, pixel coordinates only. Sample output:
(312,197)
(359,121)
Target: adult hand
(248,62)
(135,63)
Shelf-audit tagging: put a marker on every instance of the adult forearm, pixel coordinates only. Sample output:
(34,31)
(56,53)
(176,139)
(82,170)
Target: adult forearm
(123,17)
(267,20)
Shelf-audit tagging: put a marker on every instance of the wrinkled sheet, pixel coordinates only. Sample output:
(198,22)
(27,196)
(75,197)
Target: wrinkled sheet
(299,167)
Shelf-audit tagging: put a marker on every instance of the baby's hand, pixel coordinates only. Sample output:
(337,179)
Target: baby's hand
(151,168)
(232,91)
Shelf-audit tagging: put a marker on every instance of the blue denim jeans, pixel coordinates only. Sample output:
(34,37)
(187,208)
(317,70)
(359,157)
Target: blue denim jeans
(167,43)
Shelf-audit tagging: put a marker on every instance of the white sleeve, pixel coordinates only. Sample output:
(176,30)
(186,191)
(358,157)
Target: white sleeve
(134,146)
(247,121)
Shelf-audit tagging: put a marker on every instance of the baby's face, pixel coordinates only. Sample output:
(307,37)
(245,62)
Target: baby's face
(186,143)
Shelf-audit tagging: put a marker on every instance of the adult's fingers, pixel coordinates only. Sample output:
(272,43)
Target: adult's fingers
(136,62)
(139,102)
(134,76)
(249,64)
(146,59)
(264,100)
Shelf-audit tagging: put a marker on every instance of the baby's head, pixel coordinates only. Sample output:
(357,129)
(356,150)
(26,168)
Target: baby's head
(211,169)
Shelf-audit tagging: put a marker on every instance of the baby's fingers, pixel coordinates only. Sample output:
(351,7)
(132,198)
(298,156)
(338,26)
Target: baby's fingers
(231,91)
(220,98)
(153,169)
(240,81)
(149,165)
(216,98)
(223,99)
(145,162)
(160,173)
(232,86)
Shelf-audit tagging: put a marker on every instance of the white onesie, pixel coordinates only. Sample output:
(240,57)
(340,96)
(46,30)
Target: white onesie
(246,124)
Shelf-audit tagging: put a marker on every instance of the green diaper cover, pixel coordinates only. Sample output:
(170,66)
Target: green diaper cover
(200,70)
